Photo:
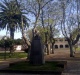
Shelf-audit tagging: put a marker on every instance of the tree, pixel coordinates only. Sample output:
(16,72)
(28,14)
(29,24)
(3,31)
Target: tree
(41,9)
(49,35)
(49,19)
(10,17)
(34,7)
(22,22)
(70,22)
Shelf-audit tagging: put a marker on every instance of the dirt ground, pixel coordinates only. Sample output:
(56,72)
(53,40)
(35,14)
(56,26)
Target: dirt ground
(62,54)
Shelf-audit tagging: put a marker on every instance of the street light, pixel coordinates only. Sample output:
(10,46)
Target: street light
(5,38)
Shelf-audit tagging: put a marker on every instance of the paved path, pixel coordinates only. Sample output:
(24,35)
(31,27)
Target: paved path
(73,68)
(73,64)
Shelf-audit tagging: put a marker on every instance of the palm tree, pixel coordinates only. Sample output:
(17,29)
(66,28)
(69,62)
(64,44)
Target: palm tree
(10,17)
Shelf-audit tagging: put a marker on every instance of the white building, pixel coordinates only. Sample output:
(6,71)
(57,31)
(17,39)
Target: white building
(61,43)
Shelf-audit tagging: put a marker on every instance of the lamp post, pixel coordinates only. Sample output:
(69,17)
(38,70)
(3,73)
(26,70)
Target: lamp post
(5,38)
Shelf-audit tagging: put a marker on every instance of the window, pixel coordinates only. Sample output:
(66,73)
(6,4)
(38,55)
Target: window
(61,40)
(61,46)
(56,46)
(66,46)
(65,39)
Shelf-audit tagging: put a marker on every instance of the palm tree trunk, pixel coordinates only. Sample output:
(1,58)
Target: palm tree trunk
(12,33)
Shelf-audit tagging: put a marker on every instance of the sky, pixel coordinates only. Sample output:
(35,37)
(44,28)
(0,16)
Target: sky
(17,34)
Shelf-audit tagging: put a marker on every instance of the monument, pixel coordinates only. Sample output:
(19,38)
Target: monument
(37,51)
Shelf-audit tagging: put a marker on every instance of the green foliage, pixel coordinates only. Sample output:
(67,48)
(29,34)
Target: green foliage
(2,43)
(26,66)
(49,20)
(6,43)
(14,55)
(19,55)
(10,42)
(75,33)
(44,33)
(18,41)
(78,48)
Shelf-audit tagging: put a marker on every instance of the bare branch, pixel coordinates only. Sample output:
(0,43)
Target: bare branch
(46,3)
(77,39)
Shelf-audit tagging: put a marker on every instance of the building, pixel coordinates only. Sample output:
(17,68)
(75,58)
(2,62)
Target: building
(61,43)
(18,47)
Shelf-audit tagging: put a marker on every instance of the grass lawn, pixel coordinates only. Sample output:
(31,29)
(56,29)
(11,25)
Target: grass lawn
(78,48)
(25,66)
(13,55)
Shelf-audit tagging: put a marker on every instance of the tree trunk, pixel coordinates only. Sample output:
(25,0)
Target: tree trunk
(23,33)
(48,49)
(11,50)
(52,48)
(12,37)
(71,49)
(25,40)
(12,33)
